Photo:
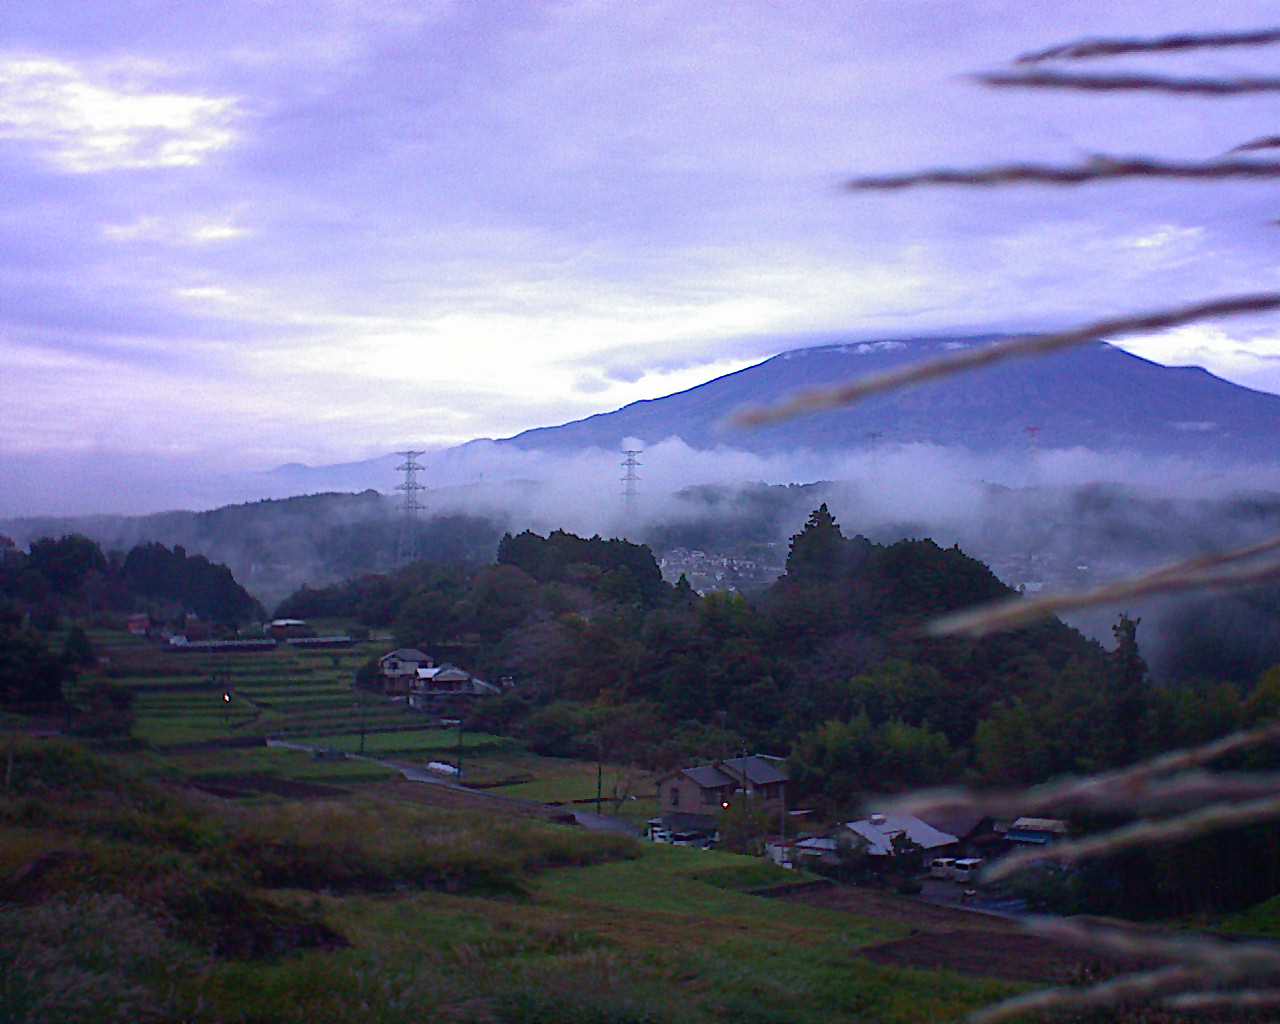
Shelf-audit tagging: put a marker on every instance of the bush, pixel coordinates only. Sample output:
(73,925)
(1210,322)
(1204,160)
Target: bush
(94,958)
(337,846)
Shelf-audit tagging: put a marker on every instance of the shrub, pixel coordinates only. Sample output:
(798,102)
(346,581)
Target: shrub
(94,958)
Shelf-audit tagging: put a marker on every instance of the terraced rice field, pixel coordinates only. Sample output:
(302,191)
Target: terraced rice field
(307,697)
(179,696)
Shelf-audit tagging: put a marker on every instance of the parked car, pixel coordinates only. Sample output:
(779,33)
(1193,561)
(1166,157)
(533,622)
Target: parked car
(689,839)
(941,867)
(966,869)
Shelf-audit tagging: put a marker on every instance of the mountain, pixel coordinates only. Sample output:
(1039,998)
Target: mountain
(1097,396)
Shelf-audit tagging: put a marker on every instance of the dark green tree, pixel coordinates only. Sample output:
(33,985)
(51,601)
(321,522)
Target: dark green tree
(65,562)
(816,552)
(29,671)
(76,649)
(1131,688)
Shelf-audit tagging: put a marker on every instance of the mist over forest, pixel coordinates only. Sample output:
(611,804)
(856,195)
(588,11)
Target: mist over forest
(1043,520)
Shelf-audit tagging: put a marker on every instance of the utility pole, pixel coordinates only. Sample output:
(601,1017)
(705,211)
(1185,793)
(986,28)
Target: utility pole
(359,707)
(461,721)
(599,770)
(407,545)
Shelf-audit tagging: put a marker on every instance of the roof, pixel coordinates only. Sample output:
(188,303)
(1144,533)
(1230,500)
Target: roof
(678,822)
(1054,825)
(708,776)
(755,769)
(881,833)
(958,824)
(288,622)
(405,654)
(758,769)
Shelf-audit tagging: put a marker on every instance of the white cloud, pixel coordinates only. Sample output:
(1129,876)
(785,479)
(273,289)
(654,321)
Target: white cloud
(1166,236)
(84,126)
(171,231)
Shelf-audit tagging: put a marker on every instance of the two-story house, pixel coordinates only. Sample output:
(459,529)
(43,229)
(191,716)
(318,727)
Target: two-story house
(692,799)
(399,669)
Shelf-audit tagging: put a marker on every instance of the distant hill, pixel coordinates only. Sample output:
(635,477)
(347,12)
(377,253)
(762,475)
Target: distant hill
(275,546)
(1098,397)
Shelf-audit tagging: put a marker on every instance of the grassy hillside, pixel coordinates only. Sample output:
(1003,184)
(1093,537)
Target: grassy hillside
(126,894)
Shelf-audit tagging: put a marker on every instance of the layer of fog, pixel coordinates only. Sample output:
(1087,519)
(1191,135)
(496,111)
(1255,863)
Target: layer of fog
(1050,518)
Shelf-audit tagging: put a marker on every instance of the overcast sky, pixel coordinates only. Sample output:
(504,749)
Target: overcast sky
(249,232)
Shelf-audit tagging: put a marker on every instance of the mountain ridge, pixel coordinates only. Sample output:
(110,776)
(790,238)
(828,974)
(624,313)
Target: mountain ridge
(1097,396)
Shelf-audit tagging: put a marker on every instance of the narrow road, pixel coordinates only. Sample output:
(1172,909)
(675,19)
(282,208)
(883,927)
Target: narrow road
(412,773)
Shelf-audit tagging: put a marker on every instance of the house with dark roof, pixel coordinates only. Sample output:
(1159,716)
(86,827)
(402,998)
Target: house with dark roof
(1036,831)
(399,668)
(445,681)
(692,799)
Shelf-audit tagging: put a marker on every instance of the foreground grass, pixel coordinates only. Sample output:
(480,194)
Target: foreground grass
(1261,920)
(124,899)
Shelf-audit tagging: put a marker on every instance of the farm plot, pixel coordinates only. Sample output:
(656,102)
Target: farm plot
(412,743)
(626,793)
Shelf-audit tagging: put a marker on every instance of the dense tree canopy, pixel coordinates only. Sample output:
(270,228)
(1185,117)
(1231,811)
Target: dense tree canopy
(71,576)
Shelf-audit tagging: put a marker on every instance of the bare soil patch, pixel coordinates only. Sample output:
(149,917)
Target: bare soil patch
(918,914)
(1013,956)
(234,786)
(458,799)
(964,941)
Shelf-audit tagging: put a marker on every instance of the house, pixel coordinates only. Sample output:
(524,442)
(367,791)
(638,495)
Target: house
(976,834)
(195,628)
(879,831)
(399,668)
(283,629)
(321,643)
(816,850)
(693,798)
(1036,831)
(431,683)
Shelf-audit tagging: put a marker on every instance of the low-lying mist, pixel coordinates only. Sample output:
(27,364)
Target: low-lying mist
(1043,519)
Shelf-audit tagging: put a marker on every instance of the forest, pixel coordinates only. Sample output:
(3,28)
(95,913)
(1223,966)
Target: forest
(71,576)
(830,664)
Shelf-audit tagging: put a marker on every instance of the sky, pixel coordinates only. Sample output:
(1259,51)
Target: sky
(249,233)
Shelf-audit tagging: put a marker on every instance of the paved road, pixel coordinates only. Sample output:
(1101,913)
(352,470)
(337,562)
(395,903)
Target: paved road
(413,773)
(604,823)
(945,893)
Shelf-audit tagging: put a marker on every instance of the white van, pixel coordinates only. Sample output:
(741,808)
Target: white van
(941,867)
(966,869)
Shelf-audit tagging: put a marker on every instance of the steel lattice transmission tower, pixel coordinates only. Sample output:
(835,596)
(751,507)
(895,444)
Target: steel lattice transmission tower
(407,545)
(630,478)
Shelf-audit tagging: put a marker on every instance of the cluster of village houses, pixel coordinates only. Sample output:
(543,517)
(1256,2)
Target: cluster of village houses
(410,674)
(692,801)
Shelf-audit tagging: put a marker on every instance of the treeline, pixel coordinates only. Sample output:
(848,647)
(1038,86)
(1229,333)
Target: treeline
(71,577)
(600,645)
(830,666)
